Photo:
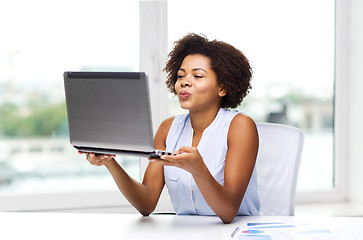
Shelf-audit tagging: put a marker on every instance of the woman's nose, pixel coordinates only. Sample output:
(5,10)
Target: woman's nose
(185,82)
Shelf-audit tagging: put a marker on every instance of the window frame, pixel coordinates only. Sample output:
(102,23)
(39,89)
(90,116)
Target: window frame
(341,111)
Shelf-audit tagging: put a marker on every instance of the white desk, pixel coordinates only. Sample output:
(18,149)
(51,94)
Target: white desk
(66,226)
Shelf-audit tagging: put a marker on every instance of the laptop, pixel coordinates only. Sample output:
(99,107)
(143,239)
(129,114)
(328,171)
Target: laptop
(109,113)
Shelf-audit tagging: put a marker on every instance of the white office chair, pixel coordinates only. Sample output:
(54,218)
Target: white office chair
(277,167)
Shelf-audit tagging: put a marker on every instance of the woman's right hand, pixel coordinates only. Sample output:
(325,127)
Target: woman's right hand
(98,159)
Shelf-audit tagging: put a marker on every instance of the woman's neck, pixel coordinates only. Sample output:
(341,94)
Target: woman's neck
(202,119)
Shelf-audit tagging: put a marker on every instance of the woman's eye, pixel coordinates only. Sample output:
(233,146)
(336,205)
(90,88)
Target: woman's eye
(180,76)
(198,76)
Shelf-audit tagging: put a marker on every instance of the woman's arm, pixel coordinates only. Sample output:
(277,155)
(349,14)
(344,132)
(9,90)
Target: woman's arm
(240,160)
(143,196)
(242,150)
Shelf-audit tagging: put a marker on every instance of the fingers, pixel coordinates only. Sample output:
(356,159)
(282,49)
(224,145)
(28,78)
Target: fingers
(187,150)
(170,157)
(187,158)
(165,161)
(98,160)
(180,153)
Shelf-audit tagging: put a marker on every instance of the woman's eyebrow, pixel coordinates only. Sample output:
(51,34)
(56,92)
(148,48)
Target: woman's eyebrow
(194,69)
(197,69)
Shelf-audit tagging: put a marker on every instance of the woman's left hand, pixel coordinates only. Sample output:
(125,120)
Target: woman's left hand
(187,158)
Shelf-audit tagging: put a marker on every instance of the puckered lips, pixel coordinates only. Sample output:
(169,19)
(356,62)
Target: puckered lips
(184,95)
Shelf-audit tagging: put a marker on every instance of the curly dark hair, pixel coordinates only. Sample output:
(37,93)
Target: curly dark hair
(230,65)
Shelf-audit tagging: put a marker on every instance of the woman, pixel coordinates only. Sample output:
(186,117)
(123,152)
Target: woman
(216,149)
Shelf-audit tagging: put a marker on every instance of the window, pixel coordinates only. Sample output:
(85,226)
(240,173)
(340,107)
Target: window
(40,40)
(290,45)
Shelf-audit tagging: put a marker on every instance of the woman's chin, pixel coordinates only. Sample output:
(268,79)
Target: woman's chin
(184,106)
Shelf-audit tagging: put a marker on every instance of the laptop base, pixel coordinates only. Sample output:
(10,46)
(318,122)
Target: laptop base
(153,154)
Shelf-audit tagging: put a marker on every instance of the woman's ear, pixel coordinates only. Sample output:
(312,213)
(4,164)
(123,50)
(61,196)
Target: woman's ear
(222,92)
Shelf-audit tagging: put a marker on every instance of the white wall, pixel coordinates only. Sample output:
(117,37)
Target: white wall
(355,116)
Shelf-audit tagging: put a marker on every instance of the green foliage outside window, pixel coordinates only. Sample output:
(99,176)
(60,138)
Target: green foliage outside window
(34,120)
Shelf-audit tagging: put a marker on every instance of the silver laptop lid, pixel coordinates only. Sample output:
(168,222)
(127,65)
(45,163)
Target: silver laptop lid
(109,110)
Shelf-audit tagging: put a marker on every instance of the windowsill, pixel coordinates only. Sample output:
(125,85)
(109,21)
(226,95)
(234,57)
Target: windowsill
(343,209)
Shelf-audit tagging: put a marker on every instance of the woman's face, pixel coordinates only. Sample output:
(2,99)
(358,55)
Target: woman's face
(197,86)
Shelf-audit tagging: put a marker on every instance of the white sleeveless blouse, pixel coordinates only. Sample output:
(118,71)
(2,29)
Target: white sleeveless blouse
(184,193)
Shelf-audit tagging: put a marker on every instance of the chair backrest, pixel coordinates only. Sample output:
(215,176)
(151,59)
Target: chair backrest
(277,167)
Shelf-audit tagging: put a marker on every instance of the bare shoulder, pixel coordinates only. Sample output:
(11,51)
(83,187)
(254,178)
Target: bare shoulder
(162,133)
(166,124)
(242,124)
(243,121)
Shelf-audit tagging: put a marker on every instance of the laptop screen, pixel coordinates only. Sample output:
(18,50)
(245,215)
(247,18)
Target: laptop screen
(109,110)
